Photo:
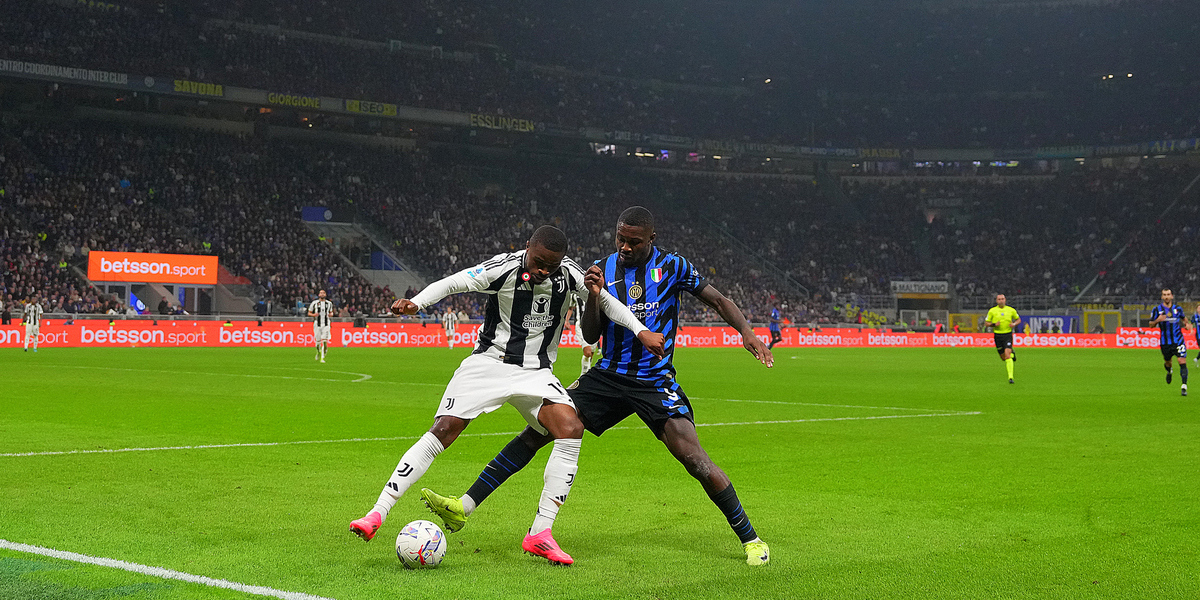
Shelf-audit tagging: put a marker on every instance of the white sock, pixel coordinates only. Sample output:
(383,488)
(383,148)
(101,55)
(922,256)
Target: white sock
(584,365)
(411,467)
(468,504)
(560,474)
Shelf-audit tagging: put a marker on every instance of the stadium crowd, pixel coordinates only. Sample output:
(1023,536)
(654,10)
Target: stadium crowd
(68,189)
(960,83)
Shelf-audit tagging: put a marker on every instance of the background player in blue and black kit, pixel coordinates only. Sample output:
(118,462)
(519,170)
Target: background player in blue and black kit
(776,334)
(1196,330)
(1170,320)
(629,380)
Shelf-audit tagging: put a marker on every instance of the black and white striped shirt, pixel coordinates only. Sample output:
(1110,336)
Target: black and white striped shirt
(323,309)
(32,314)
(523,322)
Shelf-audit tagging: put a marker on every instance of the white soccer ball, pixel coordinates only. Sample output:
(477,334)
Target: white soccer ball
(421,545)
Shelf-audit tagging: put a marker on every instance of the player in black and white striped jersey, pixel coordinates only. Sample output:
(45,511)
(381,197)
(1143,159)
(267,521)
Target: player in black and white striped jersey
(321,310)
(32,317)
(450,324)
(529,293)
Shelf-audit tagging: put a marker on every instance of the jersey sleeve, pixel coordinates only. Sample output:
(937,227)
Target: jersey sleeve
(479,278)
(1015,315)
(1154,313)
(688,278)
(609,305)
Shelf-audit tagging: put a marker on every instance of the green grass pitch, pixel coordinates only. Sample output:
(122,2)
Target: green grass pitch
(866,471)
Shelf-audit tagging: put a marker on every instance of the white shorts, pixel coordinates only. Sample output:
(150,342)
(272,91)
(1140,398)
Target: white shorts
(321,333)
(482,384)
(31,330)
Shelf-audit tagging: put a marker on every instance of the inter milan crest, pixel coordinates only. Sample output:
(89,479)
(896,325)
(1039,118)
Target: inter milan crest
(635,291)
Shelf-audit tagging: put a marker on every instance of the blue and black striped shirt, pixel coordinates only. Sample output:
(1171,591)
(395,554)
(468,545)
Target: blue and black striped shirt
(1171,330)
(651,291)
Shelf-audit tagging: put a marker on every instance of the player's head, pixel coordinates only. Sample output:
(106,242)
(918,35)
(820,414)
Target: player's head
(1168,296)
(544,254)
(635,236)
(1001,301)
(321,294)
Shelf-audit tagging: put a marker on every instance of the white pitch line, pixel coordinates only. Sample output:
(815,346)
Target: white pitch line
(498,433)
(361,376)
(825,405)
(257,590)
(241,445)
(956,414)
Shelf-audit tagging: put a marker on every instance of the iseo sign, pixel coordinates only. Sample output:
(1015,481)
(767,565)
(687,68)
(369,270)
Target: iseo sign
(144,267)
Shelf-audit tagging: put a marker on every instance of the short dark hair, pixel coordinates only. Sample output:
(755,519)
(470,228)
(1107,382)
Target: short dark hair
(636,216)
(550,238)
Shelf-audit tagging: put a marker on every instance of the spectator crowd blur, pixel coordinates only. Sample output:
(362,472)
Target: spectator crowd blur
(67,189)
(843,74)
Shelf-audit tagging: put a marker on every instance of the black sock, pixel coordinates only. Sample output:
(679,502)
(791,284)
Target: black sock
(728,502)
(1167,367)
(511,459)
(1183,373)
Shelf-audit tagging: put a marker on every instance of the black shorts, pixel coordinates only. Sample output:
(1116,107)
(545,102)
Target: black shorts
(1003,342)
(1169,351)
(604,398)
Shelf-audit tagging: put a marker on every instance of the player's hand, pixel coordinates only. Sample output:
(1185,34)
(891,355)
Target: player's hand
(404,306)
(760,350)
(654,342)
(593,279)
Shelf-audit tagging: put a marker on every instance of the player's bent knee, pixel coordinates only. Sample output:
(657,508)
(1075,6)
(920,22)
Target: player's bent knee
(447,429)
(534,439)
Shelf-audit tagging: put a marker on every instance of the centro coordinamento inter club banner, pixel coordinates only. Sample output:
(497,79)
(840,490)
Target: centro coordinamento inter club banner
(181,333)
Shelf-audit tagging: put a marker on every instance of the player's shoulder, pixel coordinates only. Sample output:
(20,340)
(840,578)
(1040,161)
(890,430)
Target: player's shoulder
(571,267)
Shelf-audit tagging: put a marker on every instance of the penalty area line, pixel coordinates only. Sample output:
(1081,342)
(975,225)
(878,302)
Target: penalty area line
(160,572)
(490,434)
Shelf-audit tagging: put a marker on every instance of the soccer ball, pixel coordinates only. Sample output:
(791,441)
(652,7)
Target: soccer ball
(421,545)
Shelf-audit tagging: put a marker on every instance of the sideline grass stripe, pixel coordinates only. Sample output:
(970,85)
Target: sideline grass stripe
(157,572)
(504,433)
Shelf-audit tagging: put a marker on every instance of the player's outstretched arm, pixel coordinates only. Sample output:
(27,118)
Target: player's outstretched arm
(734,317)
(599,300)
(475,279)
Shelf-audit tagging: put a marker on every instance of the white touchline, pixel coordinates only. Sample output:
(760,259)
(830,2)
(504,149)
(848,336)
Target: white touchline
(257,590)
(492,434)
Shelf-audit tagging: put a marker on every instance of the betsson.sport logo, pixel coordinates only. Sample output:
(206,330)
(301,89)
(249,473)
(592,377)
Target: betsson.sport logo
(150,268)
(403,338)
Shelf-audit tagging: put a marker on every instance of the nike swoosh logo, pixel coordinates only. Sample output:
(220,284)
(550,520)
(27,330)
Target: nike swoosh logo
(613,282)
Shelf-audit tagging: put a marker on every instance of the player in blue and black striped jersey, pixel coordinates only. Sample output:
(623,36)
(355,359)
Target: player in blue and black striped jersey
(1196,330)
(630,380)
(1170,320)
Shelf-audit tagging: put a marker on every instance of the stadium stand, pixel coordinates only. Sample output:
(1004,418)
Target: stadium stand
(888,87)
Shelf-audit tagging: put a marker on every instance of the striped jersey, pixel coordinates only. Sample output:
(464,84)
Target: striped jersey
(450,320)
(32,315)
(1196,325)
(1171,330)
(522,322)
(651,291)
(323,309)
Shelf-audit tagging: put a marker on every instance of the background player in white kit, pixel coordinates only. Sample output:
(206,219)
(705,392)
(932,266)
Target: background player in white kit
(321,310)
(589,350)
(32,317)
(450,323)
(530,293)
